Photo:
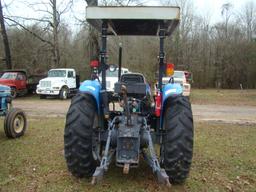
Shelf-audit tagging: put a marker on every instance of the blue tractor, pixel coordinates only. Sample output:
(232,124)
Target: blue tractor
(157,129)
(15,122)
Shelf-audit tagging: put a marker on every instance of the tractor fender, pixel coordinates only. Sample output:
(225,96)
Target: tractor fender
(93,88)
(169,91)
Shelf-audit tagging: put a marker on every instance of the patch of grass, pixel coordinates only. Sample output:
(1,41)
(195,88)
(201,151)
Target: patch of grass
(224,96)
(224,159)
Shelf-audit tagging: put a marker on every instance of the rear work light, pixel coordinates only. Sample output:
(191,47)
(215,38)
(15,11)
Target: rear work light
(94,63)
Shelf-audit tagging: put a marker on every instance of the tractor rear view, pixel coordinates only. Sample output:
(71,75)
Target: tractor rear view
(95,135)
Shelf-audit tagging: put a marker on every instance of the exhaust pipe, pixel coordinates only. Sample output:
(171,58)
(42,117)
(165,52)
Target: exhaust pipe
(120,61)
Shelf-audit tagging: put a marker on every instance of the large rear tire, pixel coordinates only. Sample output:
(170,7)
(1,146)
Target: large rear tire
(15,123)
(177,149)
(78,137)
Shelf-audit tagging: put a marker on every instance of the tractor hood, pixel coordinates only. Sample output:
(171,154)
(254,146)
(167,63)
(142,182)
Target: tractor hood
(5,91)
(4,88)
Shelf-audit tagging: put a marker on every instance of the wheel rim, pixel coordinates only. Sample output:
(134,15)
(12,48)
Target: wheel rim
(64,94)
(18,123)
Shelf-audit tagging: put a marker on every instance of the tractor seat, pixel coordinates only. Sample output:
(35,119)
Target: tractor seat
(132,78)
(135,84)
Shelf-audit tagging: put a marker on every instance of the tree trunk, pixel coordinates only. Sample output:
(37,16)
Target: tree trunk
(94,47)
(56,52)
(8,59)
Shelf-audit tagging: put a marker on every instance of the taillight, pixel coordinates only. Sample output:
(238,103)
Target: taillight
(94,63)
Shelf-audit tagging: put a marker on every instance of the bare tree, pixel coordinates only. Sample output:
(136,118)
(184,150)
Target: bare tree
(8,59)
(226,13)
(50,21)
(94,47)
(248,19)
(55,25)
(182,35)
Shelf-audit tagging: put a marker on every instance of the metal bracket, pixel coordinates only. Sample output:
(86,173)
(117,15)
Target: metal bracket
(106,159)
(153,162)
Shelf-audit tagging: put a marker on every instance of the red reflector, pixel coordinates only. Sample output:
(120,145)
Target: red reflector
(94,63)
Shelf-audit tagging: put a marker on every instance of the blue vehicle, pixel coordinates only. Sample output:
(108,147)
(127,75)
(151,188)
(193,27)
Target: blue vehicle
(128,123)
(15,122)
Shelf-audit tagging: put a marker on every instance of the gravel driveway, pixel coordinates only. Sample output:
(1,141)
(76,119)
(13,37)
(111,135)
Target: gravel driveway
(211,113)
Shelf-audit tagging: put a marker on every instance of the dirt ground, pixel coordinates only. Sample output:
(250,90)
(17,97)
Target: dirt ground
(211,112)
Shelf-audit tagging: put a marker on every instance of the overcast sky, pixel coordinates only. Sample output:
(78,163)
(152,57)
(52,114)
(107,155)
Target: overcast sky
(209,8)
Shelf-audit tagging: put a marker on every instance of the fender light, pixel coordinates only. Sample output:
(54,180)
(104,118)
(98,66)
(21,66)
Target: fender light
(169,69)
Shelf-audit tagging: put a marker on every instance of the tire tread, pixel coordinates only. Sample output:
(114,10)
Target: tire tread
(178,142)
(78,136)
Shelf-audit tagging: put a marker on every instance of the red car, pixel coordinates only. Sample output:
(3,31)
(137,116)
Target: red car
(20,82)
(17,80)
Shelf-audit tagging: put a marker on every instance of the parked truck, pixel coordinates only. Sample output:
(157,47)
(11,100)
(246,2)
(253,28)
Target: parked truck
(20,81)
(62,82)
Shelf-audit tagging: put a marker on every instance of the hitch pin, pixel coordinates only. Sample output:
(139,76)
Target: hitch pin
(126,168)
